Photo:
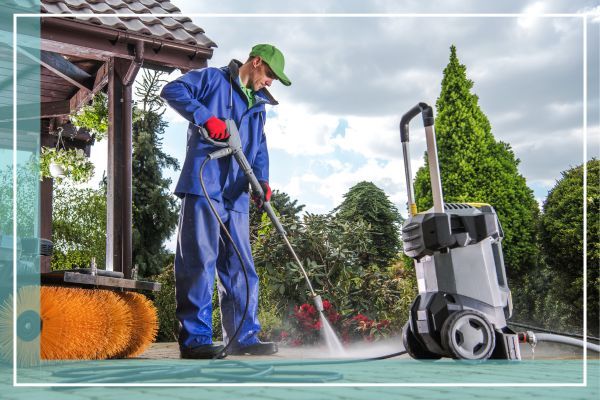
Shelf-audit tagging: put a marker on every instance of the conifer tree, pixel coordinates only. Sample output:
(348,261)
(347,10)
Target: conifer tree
(562,241)
(366,203)
(154,208)
(474,167)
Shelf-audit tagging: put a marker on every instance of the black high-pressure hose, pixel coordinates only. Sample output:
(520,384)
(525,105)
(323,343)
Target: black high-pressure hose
(237,252)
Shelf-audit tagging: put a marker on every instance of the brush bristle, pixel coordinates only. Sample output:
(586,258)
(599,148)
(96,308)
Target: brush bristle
(118,322)
(74,324)
(145,319)
(79,324)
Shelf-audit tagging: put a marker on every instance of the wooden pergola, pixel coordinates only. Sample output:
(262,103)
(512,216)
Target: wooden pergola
(82,54)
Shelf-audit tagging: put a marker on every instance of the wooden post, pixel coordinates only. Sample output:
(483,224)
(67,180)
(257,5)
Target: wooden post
(46,219)
(126,172)
(114,200)
(46,190)
(119,221)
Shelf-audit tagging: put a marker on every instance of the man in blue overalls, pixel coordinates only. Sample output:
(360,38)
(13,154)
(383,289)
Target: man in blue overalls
(205,97)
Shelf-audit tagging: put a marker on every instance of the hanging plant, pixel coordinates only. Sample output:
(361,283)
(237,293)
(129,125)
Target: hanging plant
(60,163)
(93,117)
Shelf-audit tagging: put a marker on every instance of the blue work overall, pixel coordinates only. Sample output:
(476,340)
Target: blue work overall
(200,254)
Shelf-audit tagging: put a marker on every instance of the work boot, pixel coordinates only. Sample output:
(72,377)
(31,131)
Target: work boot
(204,351)
(256,349)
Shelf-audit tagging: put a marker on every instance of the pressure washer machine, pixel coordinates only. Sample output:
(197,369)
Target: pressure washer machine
(464,300)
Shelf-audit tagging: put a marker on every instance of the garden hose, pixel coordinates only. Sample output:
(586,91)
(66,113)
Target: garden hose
(218,370)
(534,338)
(537,328)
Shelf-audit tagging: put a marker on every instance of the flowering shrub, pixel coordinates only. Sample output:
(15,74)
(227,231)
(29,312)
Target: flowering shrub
(306,326)
(307,323)
(362,327)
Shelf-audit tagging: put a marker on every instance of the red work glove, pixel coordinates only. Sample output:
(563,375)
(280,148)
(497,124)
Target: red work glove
(217,130)
(266,190)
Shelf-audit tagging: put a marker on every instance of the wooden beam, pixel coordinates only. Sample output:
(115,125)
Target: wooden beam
(76,278)
(24,112)
(82,97)
(61,67)
(70,49)
(48,109)
(52,109)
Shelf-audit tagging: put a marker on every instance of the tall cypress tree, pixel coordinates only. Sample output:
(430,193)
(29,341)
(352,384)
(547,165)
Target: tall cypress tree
(154,208)
(477,168)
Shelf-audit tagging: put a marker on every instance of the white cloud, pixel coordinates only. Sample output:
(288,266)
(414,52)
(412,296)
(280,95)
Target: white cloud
(532,13)
(298,131)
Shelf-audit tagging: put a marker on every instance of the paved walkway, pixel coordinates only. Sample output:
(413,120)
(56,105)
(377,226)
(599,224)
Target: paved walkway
(556,373)
(543,351)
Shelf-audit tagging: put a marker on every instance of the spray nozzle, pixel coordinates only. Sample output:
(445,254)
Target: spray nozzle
(318,303)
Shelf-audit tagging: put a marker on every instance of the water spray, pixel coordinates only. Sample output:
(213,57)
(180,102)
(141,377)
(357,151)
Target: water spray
(233,147)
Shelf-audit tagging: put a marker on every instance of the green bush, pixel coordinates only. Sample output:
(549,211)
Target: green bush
(328,249)
(164,300)
(271,324)
(367,203)
(563,248)
(78,227)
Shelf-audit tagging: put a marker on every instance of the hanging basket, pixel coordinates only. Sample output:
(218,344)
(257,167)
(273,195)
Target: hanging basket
(56,170)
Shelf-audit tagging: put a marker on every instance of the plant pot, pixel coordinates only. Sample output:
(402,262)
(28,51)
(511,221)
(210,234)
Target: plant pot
(56,170)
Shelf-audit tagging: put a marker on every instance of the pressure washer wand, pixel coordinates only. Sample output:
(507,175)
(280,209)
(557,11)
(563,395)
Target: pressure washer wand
(233,146)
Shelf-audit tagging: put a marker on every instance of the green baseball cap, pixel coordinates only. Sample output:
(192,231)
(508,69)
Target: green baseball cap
(274,59)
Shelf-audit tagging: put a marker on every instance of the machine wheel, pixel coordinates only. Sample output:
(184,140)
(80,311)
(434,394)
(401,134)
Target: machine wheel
(414,348)
(468,335)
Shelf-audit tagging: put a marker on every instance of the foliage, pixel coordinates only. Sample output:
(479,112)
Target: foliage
(362,327)
(216,315)
(365,202)
(164,300)
(330,248)
(384,294)
(75,164)
(327,248)
(78,227)
(563,246)
(477,168)
(148,90)
(271,324)
(154,208)
(27,195)
(93,117)
(283,206)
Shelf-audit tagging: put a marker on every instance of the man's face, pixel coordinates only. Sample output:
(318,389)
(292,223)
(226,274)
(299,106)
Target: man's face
(261,75)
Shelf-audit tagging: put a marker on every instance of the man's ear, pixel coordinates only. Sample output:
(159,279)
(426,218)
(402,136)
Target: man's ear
(257,61)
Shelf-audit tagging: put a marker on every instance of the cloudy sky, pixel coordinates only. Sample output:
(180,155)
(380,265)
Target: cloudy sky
(354,77)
